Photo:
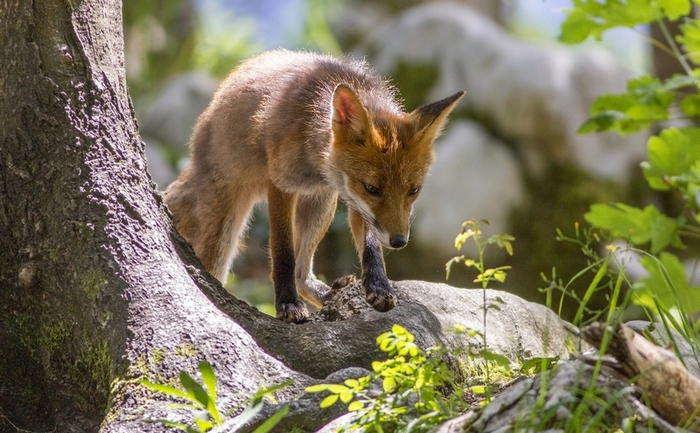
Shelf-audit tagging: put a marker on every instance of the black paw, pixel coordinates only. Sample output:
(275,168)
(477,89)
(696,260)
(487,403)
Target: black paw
(292,312)
(380,295)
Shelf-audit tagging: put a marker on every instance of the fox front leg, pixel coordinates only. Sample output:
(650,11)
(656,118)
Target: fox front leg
(314,214)
(378,291)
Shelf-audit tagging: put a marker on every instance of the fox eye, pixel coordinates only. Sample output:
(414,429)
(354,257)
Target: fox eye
(372,189)
(413,191)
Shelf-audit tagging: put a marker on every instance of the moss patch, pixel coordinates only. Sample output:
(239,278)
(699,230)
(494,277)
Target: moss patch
(92,283)
(157,356)
(44,338)
(186,350)
(93,370)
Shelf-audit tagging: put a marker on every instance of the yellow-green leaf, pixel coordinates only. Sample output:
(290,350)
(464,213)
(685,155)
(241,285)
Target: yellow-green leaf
(478,389)
(355,406)
(329,401)
(389,384)
(346,396)
(317,388)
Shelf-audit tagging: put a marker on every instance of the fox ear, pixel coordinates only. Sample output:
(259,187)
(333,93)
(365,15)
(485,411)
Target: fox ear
(431,118)
(349,115)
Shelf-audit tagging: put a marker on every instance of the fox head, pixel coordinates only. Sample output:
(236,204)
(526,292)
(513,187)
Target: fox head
(379,160)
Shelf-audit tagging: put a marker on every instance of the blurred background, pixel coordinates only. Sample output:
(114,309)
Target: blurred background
(510,154)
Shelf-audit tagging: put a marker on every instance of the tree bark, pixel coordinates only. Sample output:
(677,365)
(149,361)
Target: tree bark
(94,294)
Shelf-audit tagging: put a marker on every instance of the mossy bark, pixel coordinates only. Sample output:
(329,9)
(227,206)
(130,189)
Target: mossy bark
(90,278)
(63,108)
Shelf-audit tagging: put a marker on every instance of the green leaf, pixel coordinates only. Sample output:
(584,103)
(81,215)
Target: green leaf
(593,17)
(495,357)
(576,27)
(458,328)
(168,390)
(383,336)
(690,39)
(499,276)
(420,380)
(209,379)
(478,389)
(194,389)
(637,225)
(355,406)
(317,388)
(352,383)
(346,396)
(691,105)
(671,154)
(647,100)
(271,422)
(398,329)
(389,384)
(337,388)
(602,121)
(666,284)
(203,424)
(329,401)
(674,9)
(387,345)
(536,365)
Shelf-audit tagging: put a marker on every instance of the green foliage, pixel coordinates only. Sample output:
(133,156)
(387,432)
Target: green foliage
(604,280)
(666,285)
(593,17)
(673,155)
(418,389)
(647,100)
(638,226)
(472,230)
(201,401)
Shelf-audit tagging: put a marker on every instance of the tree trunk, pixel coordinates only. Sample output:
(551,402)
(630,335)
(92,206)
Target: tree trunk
(94,294)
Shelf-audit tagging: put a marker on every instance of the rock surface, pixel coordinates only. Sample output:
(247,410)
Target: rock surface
(517,329)
(531,406)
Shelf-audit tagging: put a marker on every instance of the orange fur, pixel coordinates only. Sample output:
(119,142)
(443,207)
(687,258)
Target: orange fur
(301,129)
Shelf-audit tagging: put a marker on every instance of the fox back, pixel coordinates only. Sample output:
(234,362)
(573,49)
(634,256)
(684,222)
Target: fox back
(302,129)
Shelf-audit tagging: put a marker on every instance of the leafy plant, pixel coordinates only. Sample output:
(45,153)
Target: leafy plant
(673,154)
(418,389)
(471,229)
(201,401)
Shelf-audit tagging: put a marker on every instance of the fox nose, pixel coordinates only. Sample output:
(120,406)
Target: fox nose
(398,241)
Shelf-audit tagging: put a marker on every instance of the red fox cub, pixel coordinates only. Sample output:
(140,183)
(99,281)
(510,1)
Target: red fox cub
(301,129)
